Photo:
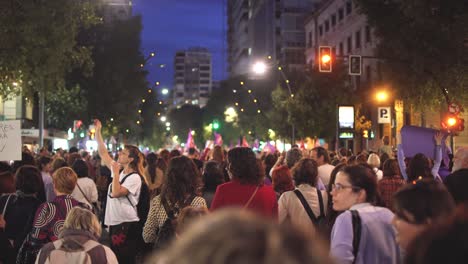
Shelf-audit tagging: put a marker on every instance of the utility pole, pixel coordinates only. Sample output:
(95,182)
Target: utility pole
(41,118)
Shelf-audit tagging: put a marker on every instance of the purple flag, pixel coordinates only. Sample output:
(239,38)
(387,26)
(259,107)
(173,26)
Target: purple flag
(421,140)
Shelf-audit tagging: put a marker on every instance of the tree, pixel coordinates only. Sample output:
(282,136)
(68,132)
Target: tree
(118,83)
(65,105)
(185,118)
(38,44)
(424,44)
(313,108)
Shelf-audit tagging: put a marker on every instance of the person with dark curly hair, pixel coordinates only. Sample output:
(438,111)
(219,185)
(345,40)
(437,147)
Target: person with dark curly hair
(246,188)
(18,208)
(181,187)
(212,177)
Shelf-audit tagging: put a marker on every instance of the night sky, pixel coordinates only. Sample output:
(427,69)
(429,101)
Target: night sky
(172,25)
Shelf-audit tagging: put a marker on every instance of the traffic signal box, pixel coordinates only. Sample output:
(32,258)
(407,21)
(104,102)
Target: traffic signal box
(325,59)
(355,64)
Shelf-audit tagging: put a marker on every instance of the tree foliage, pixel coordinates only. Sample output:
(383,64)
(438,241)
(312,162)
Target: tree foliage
(312,110)
(65,105)
(424,44)
(38,44)
(118,83)
(185,118)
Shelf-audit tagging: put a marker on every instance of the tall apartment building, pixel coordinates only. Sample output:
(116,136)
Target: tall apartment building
(192,77)
(116,10)
(257,29)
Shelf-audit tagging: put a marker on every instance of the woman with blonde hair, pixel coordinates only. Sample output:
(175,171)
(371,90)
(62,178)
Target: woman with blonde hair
(78,239)
(374,162)
(49,218)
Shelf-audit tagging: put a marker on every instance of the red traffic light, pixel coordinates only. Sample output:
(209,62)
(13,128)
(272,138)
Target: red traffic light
(453,123)
(325,59)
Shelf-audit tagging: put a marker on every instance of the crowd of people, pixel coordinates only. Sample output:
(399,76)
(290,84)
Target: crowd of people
(233,206)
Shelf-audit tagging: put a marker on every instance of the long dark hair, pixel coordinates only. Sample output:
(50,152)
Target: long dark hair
(151,165)
(419,167)
(181,181)
(138,158)
(242,164)
(212,175)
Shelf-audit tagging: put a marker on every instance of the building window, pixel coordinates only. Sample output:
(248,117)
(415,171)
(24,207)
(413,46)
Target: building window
(320,30)
(358,39)
(349,45)
(340,14)
(341,48)
(327,25)
(349,7)
(333,20)
(368,34)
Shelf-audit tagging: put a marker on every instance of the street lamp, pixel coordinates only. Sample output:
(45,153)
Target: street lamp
(381,96)
(259,68)
(165,91)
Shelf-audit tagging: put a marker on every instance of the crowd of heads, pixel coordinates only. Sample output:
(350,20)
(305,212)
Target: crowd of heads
(425,211)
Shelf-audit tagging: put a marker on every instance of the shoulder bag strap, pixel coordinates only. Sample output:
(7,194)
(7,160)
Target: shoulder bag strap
(123,180)
(306,206)
(250,199)
(6,204)
(320,198)
(84,195)
(356,232)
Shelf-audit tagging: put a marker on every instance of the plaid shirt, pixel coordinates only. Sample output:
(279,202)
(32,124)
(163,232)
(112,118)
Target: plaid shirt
(387,187)
(50,218)
(157,216)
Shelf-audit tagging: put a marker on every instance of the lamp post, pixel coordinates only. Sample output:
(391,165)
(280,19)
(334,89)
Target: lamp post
(260,68)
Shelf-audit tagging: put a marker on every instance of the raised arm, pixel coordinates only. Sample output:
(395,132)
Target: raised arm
(438,157)
(401,158)
(105,157)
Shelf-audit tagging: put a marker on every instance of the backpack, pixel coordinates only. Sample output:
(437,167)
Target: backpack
(56,252)
(143,204)
(320,222)
(166,232)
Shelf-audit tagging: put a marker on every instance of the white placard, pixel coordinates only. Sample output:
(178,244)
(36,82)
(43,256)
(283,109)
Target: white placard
(346,117)
(384,115)
(10,140)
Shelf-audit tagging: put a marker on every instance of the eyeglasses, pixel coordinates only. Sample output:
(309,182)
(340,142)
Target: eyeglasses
(339,187)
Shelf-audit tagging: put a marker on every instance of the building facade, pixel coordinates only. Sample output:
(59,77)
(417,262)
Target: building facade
(192,77)
(262,28)
(115,10)
(339,24)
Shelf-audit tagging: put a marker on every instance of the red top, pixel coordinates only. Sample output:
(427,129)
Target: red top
(235,194)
